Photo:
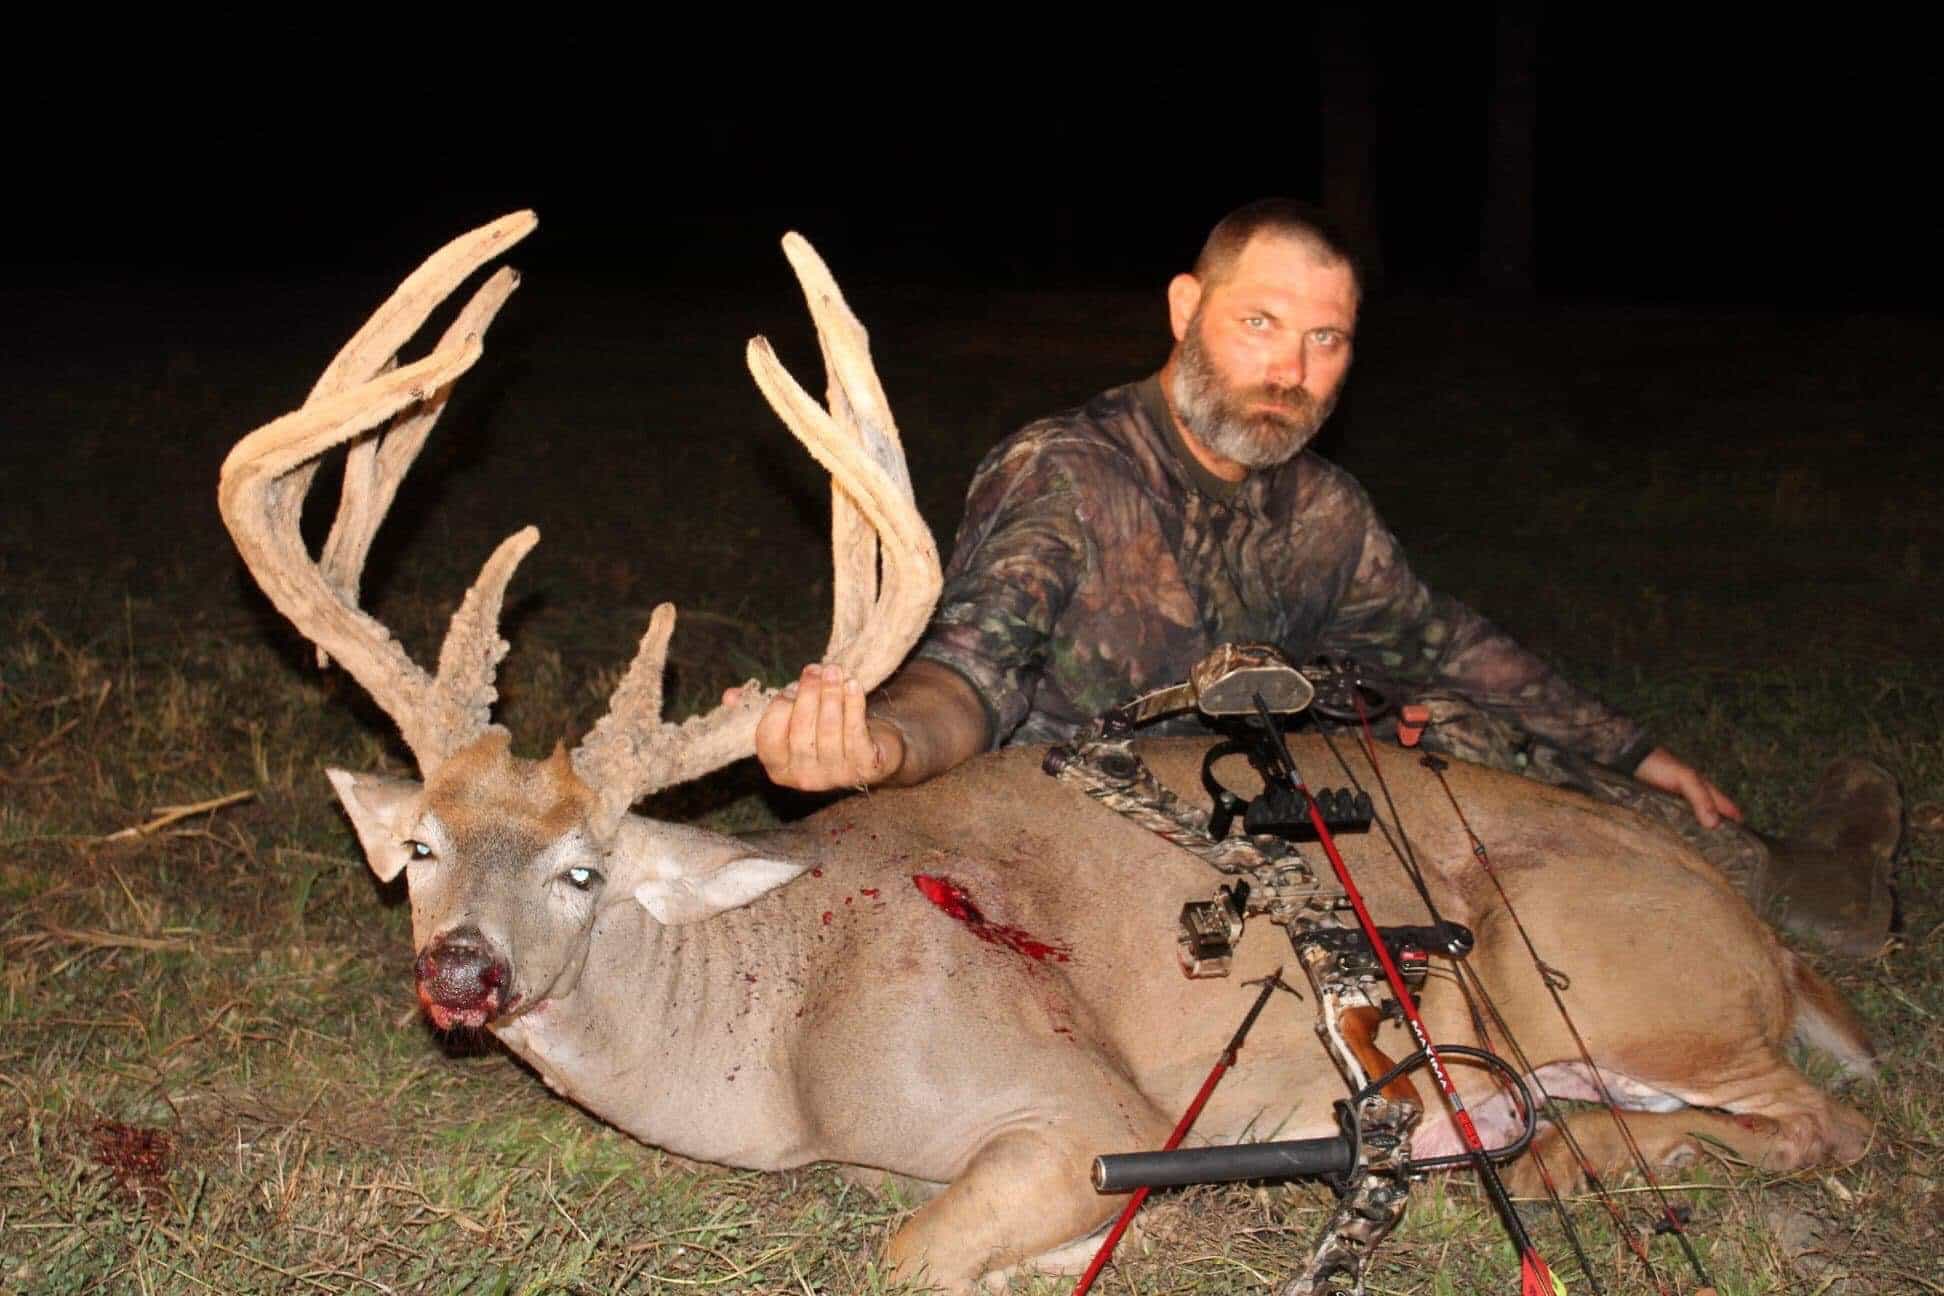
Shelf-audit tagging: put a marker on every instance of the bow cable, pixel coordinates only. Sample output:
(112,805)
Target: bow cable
(1536,1278)
(1466,978)
(1553,982)
(1673,1223)
(1472,987)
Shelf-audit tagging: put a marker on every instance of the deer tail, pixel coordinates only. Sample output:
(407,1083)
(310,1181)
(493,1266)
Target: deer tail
(1825,1023)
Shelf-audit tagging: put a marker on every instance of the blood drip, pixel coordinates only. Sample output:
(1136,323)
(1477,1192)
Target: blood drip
(950,897)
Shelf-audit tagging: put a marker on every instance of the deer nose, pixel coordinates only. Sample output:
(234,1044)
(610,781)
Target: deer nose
(459,968)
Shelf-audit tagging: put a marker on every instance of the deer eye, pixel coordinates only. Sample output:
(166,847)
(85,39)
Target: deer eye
(581,879)
(419,850)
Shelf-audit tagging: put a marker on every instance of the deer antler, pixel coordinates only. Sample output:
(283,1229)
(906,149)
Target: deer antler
(887,573)
(268,473)
(886,566)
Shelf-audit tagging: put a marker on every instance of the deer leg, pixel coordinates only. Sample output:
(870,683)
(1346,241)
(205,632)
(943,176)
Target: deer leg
(1026,1193)
(1794,1127)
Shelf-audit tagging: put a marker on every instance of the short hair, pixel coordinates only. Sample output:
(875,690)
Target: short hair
(1283,217)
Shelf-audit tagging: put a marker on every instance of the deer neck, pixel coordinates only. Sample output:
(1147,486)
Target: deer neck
(679,1035)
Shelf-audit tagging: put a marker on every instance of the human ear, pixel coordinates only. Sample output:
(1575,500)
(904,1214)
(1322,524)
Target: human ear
(1184,299)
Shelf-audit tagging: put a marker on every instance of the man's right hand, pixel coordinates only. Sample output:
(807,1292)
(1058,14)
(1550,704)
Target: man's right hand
(815,736)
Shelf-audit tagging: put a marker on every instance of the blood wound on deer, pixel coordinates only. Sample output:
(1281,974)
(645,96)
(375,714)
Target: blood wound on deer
(951,897)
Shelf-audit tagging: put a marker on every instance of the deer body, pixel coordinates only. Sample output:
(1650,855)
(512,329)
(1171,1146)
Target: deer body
(843,1015)
(973,982)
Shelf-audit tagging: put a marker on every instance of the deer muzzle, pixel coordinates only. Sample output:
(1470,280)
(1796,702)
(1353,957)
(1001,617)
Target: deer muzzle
(460,980)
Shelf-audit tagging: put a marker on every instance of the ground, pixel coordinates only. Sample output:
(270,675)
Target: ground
(212,1071)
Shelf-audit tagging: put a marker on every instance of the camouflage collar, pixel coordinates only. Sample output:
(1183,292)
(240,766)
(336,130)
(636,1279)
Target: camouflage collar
(1154,404)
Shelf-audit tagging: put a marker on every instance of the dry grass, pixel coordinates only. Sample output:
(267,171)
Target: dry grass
(213,1077)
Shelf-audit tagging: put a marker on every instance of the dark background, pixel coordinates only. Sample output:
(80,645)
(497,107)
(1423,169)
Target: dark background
(1646,370)
(1634,157)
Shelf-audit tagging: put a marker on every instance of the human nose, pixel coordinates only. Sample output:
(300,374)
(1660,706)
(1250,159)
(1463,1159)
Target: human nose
(1288,364)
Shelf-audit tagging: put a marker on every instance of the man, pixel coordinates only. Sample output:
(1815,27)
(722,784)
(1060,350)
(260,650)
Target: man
(1105,550)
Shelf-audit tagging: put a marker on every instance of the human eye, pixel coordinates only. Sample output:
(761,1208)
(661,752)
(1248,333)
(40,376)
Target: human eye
(1328,337)
(1256,323)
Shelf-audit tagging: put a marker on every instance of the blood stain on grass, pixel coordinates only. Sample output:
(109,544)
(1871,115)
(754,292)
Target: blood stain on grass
(138,1158)
(951,897)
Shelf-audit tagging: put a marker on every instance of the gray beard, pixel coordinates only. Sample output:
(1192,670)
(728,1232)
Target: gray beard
(1215,412)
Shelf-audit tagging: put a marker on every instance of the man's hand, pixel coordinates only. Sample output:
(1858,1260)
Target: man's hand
(815,736)
(1662,769)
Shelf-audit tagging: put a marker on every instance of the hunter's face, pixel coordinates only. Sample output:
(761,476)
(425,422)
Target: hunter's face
(1261,353)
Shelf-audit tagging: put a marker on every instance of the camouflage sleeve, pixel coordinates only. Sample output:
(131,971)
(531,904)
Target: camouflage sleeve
(1019,556)
(1388,616)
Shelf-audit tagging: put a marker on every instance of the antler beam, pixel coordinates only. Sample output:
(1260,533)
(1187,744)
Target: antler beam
(887,575)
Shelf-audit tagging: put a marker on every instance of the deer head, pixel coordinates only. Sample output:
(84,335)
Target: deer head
(509,861)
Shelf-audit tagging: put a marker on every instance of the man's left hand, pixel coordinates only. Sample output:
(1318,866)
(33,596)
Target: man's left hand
(1664,770)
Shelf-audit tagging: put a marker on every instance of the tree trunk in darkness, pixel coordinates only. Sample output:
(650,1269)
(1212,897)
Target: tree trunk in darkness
(1349,120)
(1507,251)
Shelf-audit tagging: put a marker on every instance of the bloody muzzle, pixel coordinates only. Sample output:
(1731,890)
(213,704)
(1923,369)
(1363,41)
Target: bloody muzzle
(460,982)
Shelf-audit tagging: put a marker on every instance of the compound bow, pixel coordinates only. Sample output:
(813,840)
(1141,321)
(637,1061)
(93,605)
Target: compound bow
(1360,973)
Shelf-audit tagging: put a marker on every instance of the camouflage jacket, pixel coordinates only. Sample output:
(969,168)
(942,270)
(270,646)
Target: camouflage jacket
(1097,559)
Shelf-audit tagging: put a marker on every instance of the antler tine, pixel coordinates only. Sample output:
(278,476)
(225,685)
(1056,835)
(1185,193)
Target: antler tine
(370,479)
(375,466)
(470,656)
(878,616)
(613,747)
(857,405)
(638,698)
(879,611)
(267,474)
(391,326)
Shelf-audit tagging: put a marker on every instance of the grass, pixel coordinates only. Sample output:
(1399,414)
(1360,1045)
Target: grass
(234,988)
(212,1073)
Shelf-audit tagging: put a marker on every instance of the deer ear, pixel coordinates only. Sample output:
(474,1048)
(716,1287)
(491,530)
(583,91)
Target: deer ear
(380,808)
(683,875)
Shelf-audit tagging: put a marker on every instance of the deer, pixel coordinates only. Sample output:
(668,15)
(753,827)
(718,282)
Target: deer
(969,984)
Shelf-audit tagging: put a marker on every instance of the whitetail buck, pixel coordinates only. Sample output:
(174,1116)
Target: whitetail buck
(805,995)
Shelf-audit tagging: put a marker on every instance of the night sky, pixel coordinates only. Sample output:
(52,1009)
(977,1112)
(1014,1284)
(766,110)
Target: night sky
(1743,166)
